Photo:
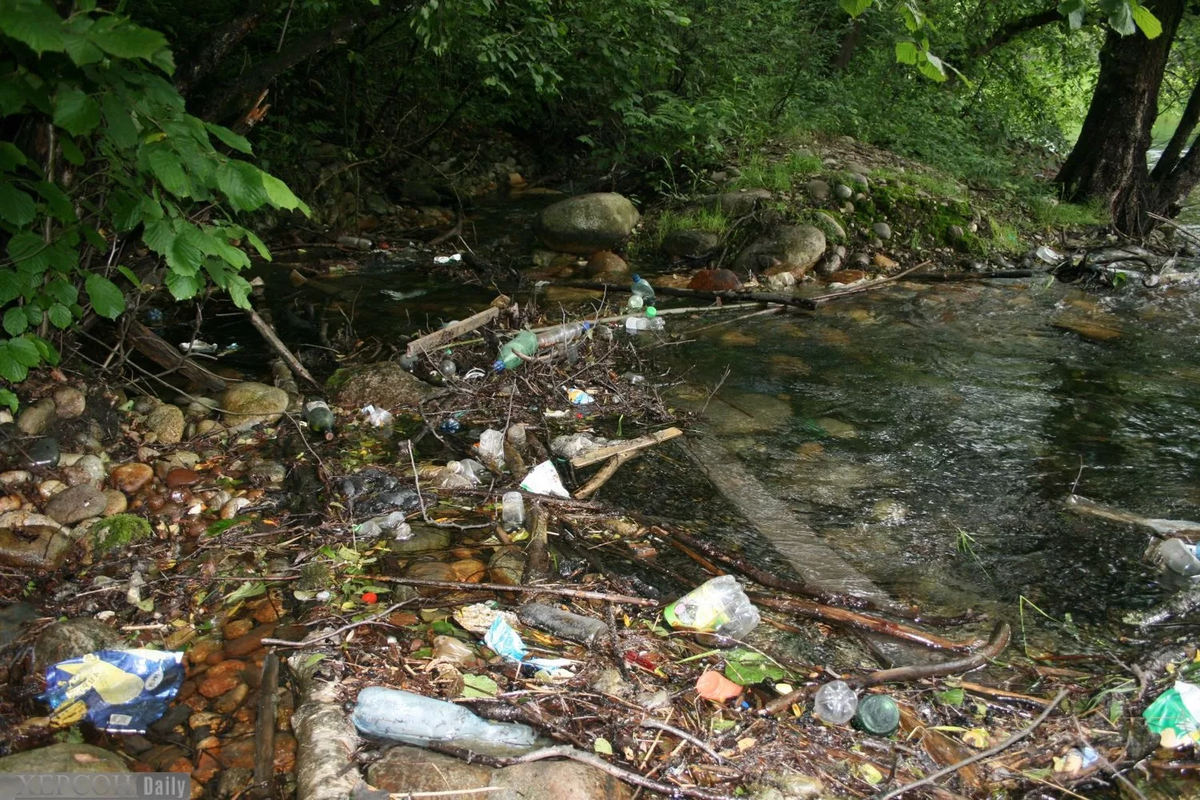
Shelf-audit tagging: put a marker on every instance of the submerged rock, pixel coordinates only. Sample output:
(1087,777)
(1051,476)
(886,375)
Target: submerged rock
(587,223)
(72,638)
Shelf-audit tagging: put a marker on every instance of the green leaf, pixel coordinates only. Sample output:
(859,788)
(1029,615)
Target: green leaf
(242,183)
(239,291)
(121,126)
(854,7)
(257,244)
(1147,21)
(130,41)
(15,322)
(9,399)
(246,591)
(951,697)
(11,156)
(33,315)
(907,52)
(164,163)
(46,350)
(213,245)
(746,667)
(10,286)
(229,138)
(71,152)
(130,276)
(280,196)
(60,316)
(76,112)
(28,252)
(159,236)
(35,24)
(60,204)
(931,67)
(63,291)
(602,746)
(183,287)
(479,686)
(107,300)
(16,207)
(24,352)
(11,370)
(1074,11)
(82,49)
(185,255)
(1121,20)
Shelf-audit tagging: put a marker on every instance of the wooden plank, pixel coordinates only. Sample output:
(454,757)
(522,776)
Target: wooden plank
(452,331)
(151,345)
(641,443)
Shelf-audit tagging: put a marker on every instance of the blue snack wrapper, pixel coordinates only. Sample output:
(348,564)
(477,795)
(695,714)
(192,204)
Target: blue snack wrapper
(119,691)
(506,642)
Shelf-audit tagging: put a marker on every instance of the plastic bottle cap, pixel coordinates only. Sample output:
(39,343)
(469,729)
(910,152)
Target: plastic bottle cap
(878,714)
(498,366)
(651,312)
(587,326)
(636,277)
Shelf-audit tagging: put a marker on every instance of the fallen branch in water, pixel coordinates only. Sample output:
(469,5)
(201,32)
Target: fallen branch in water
(604,474)
(865,287)
(734,295)
(953,277)
(467,586)
(994,647)
(631,446)
(991,751)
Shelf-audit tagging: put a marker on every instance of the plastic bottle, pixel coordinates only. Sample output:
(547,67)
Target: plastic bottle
(835,702)
(562,333)
(512,510)
(877,714)
(642,288)
(524,343)
(718,605)
(414,719)
(636,324)
(563,624)
(635,303)
(491,448)
(1178,556)
(318,416)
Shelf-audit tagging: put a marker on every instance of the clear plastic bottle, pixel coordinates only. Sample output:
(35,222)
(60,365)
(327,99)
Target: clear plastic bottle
(524,343)
(636,324)
(415,719)
(562,333)
(835,702)
(563,624)
(719,606)
(635,302)
(1178,556)
(512,510)
(642,288)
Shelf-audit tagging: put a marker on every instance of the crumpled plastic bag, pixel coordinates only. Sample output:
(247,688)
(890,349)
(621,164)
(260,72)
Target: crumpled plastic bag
(119,691)
(1177,710)
(544,479)
(378,416)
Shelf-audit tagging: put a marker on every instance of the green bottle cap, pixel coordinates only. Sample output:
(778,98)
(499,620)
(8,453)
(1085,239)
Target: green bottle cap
(651,311)
(877,714)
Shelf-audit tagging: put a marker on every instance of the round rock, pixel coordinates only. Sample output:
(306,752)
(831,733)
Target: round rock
(76,504)
(35,419)
(689,243)
(42,453)
(70,639)
(587,223)
(69,402)
(129,478)
(166,421)
(247,404)
(882,230)
(843,192)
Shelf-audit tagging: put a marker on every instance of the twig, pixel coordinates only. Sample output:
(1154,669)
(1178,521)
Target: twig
(322,637)
(866,287)
(267,332)
(991,751)
(717,388)
(671,729)
(633,445)
(446,792)
(501,587)
(605,473)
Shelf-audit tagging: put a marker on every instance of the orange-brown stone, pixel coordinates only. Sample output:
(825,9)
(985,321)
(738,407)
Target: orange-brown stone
(206,767)
(715,280)
(285,752)
(130,477)
(244,645)
(181,477)
(238,753)
(199,652)
(217,685)
(238,627)
(471,570)
(228,702)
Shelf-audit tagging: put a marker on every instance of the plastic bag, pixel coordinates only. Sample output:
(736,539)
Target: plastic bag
(1177,710)
(544,479)
(119,691)
(378,416)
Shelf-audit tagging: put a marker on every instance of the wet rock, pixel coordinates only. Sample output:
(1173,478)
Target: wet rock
(735,204)
(69,402)
(587,223)
(42,453)
(837,429)
(606,264)
(955,233)
(250,403)
(129,478)
(715,280)
(830,265)
(244,645)
(792,248)
(787,786)
(860,260)
(554,780)
(834,227)
(15,477)
(35,419)
(13,619)
(423,540)
(181,476)
(843,192)
(411,769)
(882,261)
(889,511)
(166,422)
(63,758)
(818,190)
(208,426)
(115,503)
(76,504)
(32,540)
(882,230)
(229,702)
(690,243)
(70,639)
(430,571)
(847,277)
(383,384)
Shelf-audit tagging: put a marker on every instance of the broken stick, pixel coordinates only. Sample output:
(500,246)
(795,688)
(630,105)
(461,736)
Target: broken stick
(267,332)
(633,445)
(432,341)
(606,472)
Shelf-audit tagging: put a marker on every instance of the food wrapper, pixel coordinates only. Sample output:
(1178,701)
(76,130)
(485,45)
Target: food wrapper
(1176,710)
(119,691)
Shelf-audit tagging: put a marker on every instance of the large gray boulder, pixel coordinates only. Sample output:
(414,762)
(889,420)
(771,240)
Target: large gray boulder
(690,243)
(789,248)
(383,384)
(587,223)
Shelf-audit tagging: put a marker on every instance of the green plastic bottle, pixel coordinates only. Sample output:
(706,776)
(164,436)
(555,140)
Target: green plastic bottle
(524,343)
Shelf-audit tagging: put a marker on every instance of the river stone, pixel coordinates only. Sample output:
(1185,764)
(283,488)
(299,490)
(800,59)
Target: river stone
(735,204)
(88,469)
(587,223)
(555,780)
(787,786)
(859,180)
(383,384)
(834,226)
(114,503)
(42,453)
(423,540)
(65,758)
(606,264)
(690,243)
(31,540)
(35,419)
(76,504)
(247,404)
(129,478)
(166,421)
(412,769)
(715,280)
(72,638)
(882,230)
(795,248)
(69,402)
(843,192)
(818,190)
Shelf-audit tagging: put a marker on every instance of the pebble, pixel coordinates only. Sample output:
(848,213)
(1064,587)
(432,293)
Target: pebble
(15,477)
(882,230)
(217,685)
(166,422)
(10,502)
(843,192)
(47,489)
(883,261)
(237,628)
(231,509)
(86,469)
(69,402)
(76,504)
(130,478)
(244,645)
(229,702)
(182,477)
(116,503)
(42,453)
(202,649)
(35,419)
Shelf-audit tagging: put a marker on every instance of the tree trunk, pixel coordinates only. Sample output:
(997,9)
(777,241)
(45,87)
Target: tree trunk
(849,45)
(220,45)
(1108,162)
(1178,173)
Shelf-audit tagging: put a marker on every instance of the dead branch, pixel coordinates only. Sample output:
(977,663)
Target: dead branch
(633,445)
(583,594)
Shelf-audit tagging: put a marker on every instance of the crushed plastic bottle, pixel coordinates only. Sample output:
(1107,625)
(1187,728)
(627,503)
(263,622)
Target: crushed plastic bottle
(642,288)
(1177,556)
(718,606)
(563,333)
(523,344)
(563,624)
(835,702)
(415,719)
(491,450)
(512,510)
